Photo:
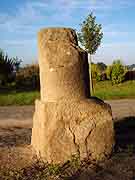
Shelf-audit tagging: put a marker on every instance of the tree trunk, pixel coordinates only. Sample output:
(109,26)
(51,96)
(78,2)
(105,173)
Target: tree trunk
(90,73)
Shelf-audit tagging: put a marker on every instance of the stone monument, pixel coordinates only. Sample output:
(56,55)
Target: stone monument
(67,122)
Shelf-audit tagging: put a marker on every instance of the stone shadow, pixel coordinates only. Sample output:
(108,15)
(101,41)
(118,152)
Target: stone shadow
(125,133)
(15,136)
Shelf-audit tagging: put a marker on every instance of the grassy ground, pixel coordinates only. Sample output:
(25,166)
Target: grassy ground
(18,98)
(106,91)
(103,90)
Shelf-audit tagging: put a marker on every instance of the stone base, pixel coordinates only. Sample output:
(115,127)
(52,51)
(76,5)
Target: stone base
(76,127)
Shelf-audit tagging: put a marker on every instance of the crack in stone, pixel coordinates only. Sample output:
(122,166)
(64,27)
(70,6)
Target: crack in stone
(76,145)
(86,140)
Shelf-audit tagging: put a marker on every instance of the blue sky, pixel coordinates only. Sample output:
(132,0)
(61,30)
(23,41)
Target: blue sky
(20,20)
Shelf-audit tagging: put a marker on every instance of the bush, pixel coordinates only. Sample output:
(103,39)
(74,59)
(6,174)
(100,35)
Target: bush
(8,67)
(109,72)
(96,73)
(27,78)
(130,75)
(103,76)
(116,72)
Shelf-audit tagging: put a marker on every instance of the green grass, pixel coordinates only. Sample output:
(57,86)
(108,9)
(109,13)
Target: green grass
(103,90)
(106,91)
(18,98)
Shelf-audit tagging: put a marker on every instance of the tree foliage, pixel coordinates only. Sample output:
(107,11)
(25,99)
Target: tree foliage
(131,67)
(90,37)
(28,77)
(91,34)
(16,63)
(96,72)
(102,66)
(109,72)
(116,72)
(7,66)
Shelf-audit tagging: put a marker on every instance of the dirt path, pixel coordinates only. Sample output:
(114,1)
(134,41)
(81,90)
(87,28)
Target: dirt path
(122,108)
(22,115)
(16,121)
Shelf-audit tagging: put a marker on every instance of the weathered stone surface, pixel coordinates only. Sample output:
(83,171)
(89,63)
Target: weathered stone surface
(57,34)
(65,121)
(63,65)
(76,127)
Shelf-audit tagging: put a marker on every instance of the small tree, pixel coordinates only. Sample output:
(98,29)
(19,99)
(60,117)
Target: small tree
(90,37)
(116,72)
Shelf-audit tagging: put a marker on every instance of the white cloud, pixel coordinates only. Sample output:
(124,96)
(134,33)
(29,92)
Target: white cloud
(25,18)
(18,43)
(34,14)
(113,33)
(117,50)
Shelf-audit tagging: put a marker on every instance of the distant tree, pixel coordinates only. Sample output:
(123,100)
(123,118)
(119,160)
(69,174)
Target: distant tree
(90,37)
(131,67)
(109,71)
(96,72)
(7,67)
(102,66)
(28,77)
(17,63)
